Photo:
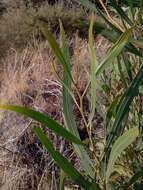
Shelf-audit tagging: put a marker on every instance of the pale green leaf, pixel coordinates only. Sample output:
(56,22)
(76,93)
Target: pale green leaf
(68,110)
(118,147)
(114,51)
(93,65)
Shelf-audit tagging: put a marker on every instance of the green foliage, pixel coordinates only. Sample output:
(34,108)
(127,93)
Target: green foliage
(124,107)
(114,51)
(93,67)
(119,146)
(68,108)
(63,163)
(122,84)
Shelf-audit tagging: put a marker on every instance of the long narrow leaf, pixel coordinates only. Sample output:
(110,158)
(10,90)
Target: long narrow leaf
(93,65)
(111,111)
(48,122)
(119,146)
(115,51)
(121,12)
(54,45)
(128,66)
(124,108)
(62,179)
(68,111)
(63,163)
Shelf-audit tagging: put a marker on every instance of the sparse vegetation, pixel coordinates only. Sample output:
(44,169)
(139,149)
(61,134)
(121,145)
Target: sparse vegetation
(18,23)
(82,109)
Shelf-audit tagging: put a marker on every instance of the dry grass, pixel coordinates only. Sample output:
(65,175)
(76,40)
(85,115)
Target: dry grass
(28,80)
(18,25)
(15,175)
